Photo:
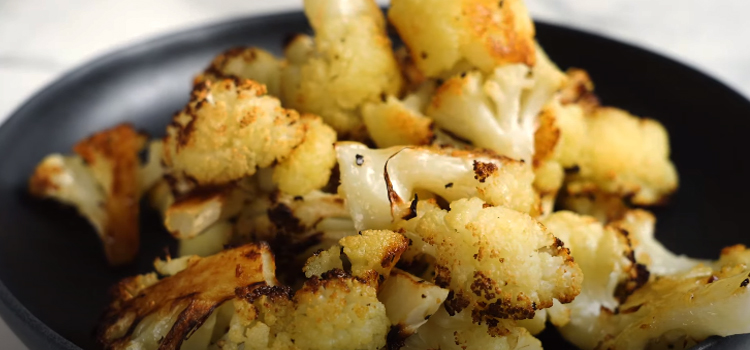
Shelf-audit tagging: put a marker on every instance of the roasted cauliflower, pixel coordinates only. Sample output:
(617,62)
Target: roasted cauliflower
(497,262)
(228,130)
(246,63)
(380,185)
(443,34)
(309,165)
(625,155)
(349,63)
(395,122)
(104,181)
(497,110)
(457,332)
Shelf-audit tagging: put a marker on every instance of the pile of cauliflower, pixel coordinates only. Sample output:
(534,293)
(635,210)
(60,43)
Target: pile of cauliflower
(459,192)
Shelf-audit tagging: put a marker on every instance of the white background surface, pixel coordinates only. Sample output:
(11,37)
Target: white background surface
(41,39)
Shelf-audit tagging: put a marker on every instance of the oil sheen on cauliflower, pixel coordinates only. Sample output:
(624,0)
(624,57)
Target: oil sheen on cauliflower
(349,63)
(497,110)
(497,262)
(228,130)
(104,181)
(483,33)
(379,185)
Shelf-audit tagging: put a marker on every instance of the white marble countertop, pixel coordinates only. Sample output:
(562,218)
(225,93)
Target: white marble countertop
(42,39)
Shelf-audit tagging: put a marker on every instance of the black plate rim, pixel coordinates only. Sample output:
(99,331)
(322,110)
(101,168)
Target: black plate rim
(13,311)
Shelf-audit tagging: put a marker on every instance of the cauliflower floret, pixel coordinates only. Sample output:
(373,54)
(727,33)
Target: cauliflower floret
(640,224)
(351,63)
(409,302)
(190,215)
(103,181)
(295,219)
(457,332)
(380,185)
(579,90)
(245,63)
(621,154)
(211,241)
(168,311)
(366,252)
(497,262)
(443,33)
(396,122)
(308,166)
(227,131)
(605,207)
(606,259)
(498,111)
(676,311)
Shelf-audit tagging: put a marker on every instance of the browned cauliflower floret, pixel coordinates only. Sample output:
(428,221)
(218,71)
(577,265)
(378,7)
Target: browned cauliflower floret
(457,332)
(227,131)
(497,262)
(640,226)
(579,90)
(368,251)
(308,166)
(484,33)
(245,63)
(395,122)
(409,302)
(349,64)
(498,110)
(146,314)
(606,259)
(104,181)
(380,185)
(626,155)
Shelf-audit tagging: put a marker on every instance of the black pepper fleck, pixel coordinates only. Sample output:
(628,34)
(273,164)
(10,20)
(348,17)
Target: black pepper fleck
(449,185)
(360,159)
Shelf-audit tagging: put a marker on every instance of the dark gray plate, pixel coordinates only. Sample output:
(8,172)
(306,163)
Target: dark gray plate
(52,272)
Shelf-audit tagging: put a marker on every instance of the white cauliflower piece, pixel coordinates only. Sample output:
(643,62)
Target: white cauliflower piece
(190,215)
(308,166)
(680,310)
(497,262)
(409,302)
(639,225)
(395,122)
(103,181)
(349,64)
(227,131)
(147,313)
(606,259)
(498,111)
(211,241)
(458,332)
(441,34)
(245,63)
(380,185)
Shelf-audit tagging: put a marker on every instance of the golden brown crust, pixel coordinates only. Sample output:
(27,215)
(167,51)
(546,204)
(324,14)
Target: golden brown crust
(200,288)
(502,40)
(579,89)
(546,137)
(41,182)
(117,150)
